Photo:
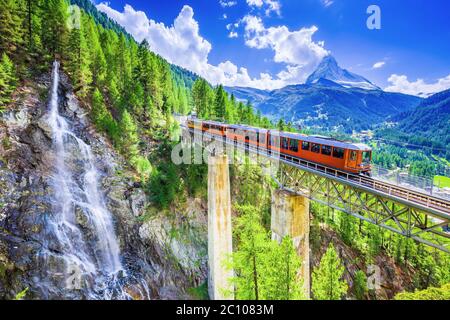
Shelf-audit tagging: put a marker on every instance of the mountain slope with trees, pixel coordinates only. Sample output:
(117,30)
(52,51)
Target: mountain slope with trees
(428,125)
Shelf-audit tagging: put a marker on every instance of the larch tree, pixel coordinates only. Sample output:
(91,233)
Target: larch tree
(11,25)
(250,258)
(284,281)
(326,278)
(8,80)
(129,136)
(220,102)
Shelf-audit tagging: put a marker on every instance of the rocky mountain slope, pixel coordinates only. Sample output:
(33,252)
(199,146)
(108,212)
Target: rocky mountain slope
(158,264)
(331,99)
(328,69)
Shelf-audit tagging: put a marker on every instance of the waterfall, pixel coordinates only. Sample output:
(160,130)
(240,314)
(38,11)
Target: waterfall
(91,263)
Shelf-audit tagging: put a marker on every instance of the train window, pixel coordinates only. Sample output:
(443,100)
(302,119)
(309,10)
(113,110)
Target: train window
(284,143)
(275,141)
(315,148)
(305,146)
(353,156)
(293,145)
(366,157)
(262,138)
(326,150)
(338,153)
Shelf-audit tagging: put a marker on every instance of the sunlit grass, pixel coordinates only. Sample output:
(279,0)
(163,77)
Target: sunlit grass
(442,181)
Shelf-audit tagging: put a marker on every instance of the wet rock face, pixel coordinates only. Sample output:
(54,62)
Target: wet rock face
(160,263)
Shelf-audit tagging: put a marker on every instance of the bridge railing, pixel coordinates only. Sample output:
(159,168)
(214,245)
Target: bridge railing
(421,184)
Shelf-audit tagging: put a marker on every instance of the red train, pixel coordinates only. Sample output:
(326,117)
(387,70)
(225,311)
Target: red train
(345,156)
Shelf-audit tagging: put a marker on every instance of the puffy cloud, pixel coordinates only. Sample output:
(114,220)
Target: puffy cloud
(232,34)
(269,5)
(400,83)
(378,65)
(294,48)
(183,45)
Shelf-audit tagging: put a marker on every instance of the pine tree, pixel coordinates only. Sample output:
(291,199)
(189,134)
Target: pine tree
(220,102)
(202,95)
(249,260)
(11,21)
(326,283)
(129,136)
(54,26)
(360,285)
(284,282)
(78,63)
(8,80)
(101,116)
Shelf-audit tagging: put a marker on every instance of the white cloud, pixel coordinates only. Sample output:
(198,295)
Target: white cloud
(226,4)
(400,83)
(378,65)
(224,16)
(294,48)
(327,3)
(232,34)
(183,45)
(269,5)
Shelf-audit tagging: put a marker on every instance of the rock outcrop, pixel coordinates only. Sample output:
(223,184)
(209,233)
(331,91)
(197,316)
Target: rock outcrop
(164,256)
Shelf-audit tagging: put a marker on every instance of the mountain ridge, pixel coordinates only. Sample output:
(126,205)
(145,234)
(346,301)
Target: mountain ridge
(340,105)
(329,69)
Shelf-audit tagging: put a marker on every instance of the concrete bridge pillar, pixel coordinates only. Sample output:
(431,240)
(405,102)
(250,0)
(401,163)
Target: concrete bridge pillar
(290,217)
(219,228)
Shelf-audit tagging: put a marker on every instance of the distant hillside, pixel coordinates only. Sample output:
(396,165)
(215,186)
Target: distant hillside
(427,125)
(328,105)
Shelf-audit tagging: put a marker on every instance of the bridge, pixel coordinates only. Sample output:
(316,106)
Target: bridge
(410,213)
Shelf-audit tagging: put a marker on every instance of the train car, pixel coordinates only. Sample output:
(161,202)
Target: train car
(345,156)
(332,153)
(194,124)
(250,136)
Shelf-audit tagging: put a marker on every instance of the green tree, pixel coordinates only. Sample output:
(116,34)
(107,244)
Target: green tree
(283,280)
(442,293)
(250,257)
(129,136)
(202,95)
(54,26)
(78,59)
(360,285)
(8,80)
(326,278)
(11,21)
(220,103)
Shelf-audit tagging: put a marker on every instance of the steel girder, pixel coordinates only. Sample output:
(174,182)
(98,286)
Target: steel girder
(377,209)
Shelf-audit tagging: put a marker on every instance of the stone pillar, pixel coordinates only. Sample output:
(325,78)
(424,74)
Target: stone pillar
(219,228)
(290,217)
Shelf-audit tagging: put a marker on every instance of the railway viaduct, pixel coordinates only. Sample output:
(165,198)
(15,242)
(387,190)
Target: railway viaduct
(410,213)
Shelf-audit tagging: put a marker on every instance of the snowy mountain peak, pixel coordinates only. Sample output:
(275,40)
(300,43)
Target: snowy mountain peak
(329,69)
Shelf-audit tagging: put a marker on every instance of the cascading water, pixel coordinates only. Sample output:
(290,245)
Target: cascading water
(90,264)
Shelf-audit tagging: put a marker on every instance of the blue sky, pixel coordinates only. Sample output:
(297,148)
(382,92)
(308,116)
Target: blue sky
(272,43)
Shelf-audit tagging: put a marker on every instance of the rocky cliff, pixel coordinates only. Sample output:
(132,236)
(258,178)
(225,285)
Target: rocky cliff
(159,262)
